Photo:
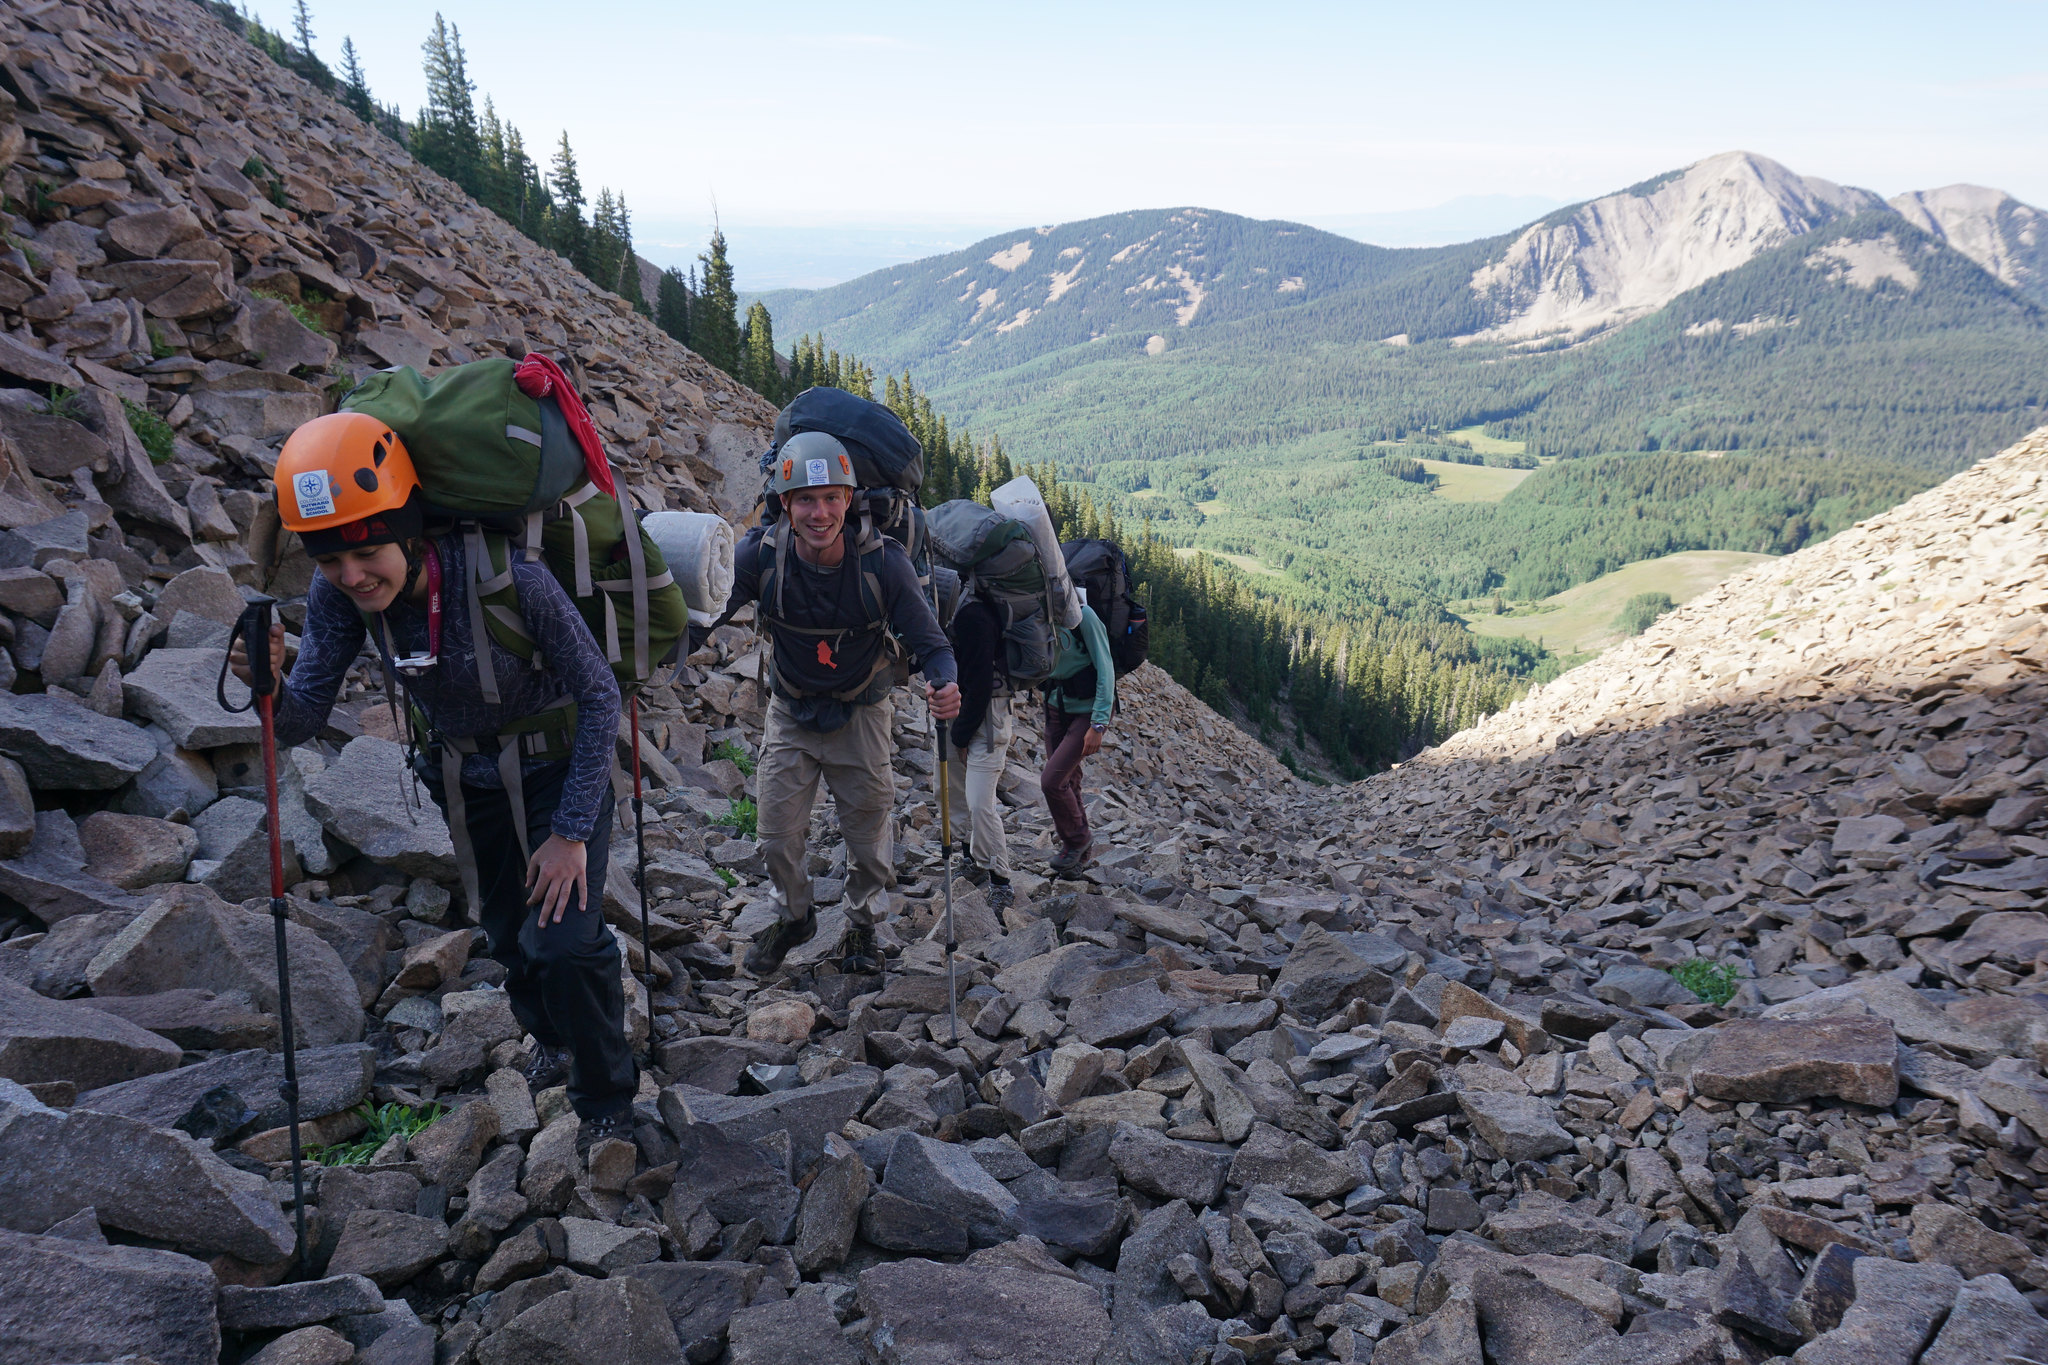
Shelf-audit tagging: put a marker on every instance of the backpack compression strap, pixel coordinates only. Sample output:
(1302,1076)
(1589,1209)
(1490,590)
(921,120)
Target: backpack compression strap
(870,548)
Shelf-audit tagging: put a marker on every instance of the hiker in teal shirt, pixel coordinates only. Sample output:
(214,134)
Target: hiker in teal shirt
(1080,697)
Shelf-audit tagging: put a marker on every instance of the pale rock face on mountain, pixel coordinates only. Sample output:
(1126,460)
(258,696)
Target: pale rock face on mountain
(1997,231)
(1627,255)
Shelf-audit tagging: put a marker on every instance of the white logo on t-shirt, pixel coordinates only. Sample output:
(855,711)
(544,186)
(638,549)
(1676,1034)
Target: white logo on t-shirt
(315,493)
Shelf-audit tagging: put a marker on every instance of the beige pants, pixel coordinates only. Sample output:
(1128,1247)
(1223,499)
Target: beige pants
(971,788)
(855,762)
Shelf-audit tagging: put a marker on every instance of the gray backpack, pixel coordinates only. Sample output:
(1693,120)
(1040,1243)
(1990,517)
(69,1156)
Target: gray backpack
(998,564)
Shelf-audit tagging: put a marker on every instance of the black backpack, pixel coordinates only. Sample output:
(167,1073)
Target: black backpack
(1099,568)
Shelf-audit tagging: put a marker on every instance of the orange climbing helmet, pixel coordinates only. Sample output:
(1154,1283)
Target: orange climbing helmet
(345,482)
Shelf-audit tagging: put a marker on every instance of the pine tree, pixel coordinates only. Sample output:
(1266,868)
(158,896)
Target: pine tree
(628,286)
(446,139)
(603,267)
(714,320)
(356,90)
(570,234)
(763,375)
(302,25)
(672,305)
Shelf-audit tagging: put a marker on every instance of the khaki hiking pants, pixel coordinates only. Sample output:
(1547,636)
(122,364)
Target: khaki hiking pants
(856,763)
(971,788)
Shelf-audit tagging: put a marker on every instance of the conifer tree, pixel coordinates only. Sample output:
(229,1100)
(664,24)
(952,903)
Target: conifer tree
(355,91)
(628,286)
(603,268)
(569,234)
(672,305)
(302,26)
(763,373)
(446,137)
(714,320)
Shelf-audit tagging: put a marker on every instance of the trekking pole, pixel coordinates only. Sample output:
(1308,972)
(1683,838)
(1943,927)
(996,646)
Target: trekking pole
(946,842)
(640,841)
(254,628)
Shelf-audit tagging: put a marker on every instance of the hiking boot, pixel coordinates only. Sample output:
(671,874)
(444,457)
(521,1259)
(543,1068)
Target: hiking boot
(768,951)
(617,1124)
(999,895)
(861,956)
(546,1067)
(1071,860)
(973,873)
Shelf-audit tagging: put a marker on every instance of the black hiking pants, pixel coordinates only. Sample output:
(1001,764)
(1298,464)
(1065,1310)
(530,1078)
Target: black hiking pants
(563,980)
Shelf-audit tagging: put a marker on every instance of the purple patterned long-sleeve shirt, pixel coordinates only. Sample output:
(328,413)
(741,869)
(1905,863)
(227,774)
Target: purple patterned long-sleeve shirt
(450,693)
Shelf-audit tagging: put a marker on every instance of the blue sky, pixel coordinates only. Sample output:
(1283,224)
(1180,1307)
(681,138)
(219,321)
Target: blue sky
(948,119)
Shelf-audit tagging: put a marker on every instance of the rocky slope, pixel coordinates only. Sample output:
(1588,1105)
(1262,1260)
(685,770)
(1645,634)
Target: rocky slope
(1997,231)
(1391,1072)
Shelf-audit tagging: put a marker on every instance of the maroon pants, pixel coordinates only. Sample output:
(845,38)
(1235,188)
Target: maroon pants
(1061,781)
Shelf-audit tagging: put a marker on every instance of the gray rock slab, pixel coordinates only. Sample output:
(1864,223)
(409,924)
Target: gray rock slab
(699,1298)
(50,880)
(736,1180)
(1120,1016)
(1144,1280)
(63,1301)
(925,1313)
(63,746)
(155,1184)
(808,1113)
(176,689)
(1323,975)
(1544,1227)
(249,1308)
(1517,1127)
(1294,1167)
(62,1040)
(946,1177)
(1898,1306)
(1783,1061)
(331,1079)
(1268,1211)
(388,1247)
(1167,1168)
(794,1331)
(716,1064)
(191,938)
(359,800)
(595,1322)
(1989,1318)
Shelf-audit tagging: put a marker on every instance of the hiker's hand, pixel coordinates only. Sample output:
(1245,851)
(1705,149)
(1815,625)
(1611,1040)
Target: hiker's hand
(1091,742)
(944,701)
(238,657)
(556,877)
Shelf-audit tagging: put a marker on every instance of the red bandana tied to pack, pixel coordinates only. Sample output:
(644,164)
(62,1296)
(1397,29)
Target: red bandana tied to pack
(538,377)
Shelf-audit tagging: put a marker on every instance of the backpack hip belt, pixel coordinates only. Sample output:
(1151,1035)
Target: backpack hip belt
(545,736)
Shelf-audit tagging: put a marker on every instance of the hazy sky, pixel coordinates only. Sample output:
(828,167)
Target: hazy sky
(803,114)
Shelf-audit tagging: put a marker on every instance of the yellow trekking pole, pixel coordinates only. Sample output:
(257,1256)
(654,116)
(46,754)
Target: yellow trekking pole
(946,841)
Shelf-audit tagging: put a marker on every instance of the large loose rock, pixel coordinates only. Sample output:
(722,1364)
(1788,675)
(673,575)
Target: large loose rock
(808,1113)
(923,1313)
(204,591)
(331,1080)
(63,746)
(1518,1127)
(1292,1166)
(270,1307)
(794,1331)
(735,1180)
(388,1247)
(1123,1015)
(1897,1308)
(829,1216)
(1946,1235)
(1990,1319)
(60,1040)
(945,1177)
(50,881)
(1782,1061)
(234,844)
(156,1184)
(700,1298)
(176,689)
(362,800)
(452,1147)
(134,851)
(595,1322)
(1166,1168)
(63,1301)
(190,938)
(196,1020)
(1322,975)
(716,1064)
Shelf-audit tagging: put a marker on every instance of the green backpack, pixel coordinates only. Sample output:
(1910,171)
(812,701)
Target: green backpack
(506,454)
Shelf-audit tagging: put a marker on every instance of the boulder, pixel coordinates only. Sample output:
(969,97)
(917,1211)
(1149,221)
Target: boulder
(205,591)
(175,688)
(735,1180)
(1166,1168)
(1322,975)
(793,1331)
(60,1040)
(50,880)
(716,1064)
(946,1177)
(699,1298)
(1294,1167)
(362,799)
(1946,1235)
(234,850)
(594,1322)
(808,1112)
(1897,1308)
(17,810)
(451,1148)
(1782,1061)
(134,851)
(155,1184)
(1123,1015)
(63,1301)
(271,1307)
(63,746)
(921,1312)
(331,1080)
(829,1216)
(1990,1320)
(190,938)
(283,342)
(388,1247)
(1518,1127)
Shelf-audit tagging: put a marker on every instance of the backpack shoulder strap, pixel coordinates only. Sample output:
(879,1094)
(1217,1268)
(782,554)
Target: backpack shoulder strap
(492,596)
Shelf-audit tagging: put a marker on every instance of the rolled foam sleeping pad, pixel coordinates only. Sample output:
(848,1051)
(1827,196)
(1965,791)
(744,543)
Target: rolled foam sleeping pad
(1019,500)
(698,549)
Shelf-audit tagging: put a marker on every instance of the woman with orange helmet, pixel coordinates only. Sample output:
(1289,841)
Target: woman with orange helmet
(534,760)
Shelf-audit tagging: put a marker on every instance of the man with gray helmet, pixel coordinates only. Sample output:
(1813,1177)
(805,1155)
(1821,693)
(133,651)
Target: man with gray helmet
(845,619)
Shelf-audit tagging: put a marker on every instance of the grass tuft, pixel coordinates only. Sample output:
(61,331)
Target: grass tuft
(153,431)
(1713,982)
(387,1122)
(743,817)
(725,748)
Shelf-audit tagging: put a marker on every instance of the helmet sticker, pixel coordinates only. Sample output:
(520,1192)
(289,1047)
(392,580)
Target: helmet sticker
(817,471)
(315,493)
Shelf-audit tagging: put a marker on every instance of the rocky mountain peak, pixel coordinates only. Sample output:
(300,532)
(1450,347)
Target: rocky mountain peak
(1997,231)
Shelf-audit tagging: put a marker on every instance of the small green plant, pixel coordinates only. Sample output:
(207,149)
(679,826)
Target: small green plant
(308,319)
(159,349)
(726,876)
(1713,982)
(385,1123)
(725,748)
(68,403)
(743,817)
(153,431)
